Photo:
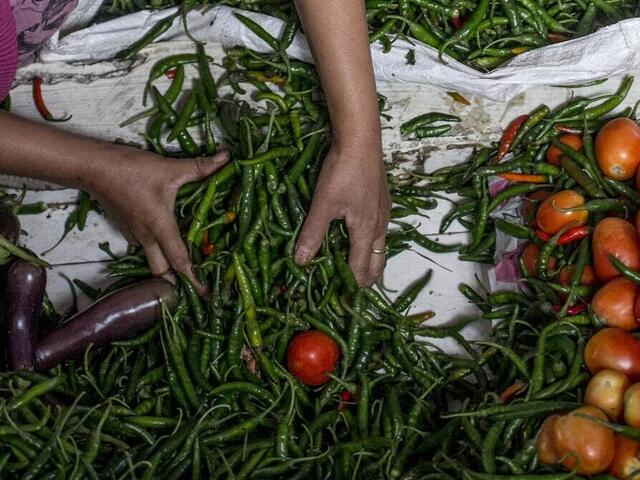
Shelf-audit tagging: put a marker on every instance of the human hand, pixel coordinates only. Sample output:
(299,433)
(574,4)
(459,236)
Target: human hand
(351,187)
(138,190)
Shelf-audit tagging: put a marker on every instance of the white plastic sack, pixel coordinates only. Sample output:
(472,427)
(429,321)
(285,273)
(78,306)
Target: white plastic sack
(610,51)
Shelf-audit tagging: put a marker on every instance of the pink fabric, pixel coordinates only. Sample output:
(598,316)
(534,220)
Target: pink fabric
(36,22)
(8,48)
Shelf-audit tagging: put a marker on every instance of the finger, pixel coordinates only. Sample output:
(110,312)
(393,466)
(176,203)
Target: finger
(201,167)
(157,262)
(361,243)
(377,263)
(176,252)
(313,231)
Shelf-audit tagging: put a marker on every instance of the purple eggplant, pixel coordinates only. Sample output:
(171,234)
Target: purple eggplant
(23,295)
(9,224)
(113,317)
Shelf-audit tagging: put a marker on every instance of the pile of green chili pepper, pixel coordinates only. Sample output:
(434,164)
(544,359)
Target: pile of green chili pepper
(480,33)
(205,393)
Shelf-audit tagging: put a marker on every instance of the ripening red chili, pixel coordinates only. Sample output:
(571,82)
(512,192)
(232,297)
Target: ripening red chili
(509,136)
(41,106)
(207,249)
(311,355)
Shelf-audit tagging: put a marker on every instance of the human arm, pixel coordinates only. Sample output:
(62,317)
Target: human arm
(135,187)
(352,184)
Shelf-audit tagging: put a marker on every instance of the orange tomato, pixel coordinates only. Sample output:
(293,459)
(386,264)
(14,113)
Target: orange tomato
(606,391)
(618,148)
(583,444)
(614,304)
(588,276)
(551,220)
(638,220)
(530,203)
(632,405)
(615,349)
(530,256)
(625,464)
(544,444)
(617,237)
(554,154)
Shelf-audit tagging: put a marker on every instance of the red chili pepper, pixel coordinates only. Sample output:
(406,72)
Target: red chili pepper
(524,177)
(573,235)
(557,38)
(508,136)
(511,391)
(569,130)
(40,105)
(543,235)
(171,74)
(456,22)
(459,98)
(345,397)
(572,310)
(207,249)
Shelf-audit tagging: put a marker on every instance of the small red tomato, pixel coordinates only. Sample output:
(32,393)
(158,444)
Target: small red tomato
(625,464)
(551,216)
(530,256)
(311,355)
(588,276)
(606,391)
(614,304)
(554,154)
(617,237)
(615,349)
(583,444)
(617,148)
(546,449)
(632,405)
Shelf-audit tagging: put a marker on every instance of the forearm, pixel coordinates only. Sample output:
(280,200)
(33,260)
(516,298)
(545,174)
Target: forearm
(29,149)
(338,36)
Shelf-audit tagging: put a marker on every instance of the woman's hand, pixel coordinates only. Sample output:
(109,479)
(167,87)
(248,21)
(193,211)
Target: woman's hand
(138,189)
(352,186)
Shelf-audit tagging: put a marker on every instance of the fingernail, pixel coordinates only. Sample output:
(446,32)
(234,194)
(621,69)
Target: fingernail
(302,255)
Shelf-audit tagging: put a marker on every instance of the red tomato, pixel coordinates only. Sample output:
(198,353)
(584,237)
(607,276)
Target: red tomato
(530,256)
(618,148)
(615,349)
(625,464)
(554,153)
(583,444)
(617,237)
(632,405)
(311,355)
(551,220)
(588,276)
(606,391)
(530,204)
(546,450)
(614,304)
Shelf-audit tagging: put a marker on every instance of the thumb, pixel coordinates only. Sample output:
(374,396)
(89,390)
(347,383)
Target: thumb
(202,167)
(313,231)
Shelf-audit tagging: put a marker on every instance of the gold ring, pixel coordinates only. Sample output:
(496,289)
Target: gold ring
(380,251)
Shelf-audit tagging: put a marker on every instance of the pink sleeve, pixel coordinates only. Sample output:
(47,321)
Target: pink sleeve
(8,48)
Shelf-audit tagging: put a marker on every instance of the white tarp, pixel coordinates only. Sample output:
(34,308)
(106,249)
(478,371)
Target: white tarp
(610,51)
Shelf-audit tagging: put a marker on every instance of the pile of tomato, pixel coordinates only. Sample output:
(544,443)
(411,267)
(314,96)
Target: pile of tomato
(584,440)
